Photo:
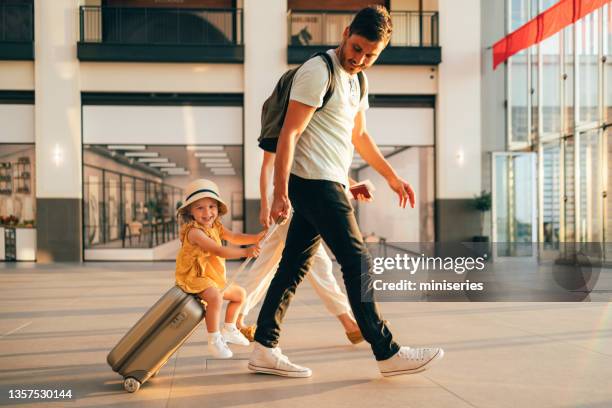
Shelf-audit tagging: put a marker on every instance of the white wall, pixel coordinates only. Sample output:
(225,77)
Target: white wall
(17,75)
(459,108)
(401,126)
(392,79)
(265,60)
(161,77)
(162,125)
(17,123)
(58,101)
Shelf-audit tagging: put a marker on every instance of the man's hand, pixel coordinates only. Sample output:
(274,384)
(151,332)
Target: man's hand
(281,208)
(264,217)
(403,191)
(361,197)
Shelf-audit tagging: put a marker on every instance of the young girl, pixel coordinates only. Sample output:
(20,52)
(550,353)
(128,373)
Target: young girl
(200,264)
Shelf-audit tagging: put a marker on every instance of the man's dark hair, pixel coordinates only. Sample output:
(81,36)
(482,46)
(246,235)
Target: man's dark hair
(373,23)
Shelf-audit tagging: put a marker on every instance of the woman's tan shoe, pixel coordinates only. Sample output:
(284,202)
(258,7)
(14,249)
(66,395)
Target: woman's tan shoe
(249,332)
(354,337)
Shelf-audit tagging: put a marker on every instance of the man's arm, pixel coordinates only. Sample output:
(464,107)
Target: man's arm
(265,175)
(296,119)
(367,149)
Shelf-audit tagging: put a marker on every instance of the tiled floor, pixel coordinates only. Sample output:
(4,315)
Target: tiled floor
(58,322)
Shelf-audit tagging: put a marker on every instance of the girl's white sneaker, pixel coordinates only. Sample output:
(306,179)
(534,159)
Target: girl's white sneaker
(234,336)
(218,348)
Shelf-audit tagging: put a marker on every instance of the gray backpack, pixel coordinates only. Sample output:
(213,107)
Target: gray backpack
(275,107)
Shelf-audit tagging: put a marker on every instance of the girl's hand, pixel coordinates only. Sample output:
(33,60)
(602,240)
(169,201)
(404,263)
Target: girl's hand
(261,235)
(252,251)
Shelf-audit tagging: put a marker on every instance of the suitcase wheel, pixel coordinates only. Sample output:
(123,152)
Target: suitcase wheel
(131,384)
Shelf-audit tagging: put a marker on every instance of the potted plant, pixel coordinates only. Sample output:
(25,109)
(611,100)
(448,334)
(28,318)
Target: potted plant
(482,203)
(154,209)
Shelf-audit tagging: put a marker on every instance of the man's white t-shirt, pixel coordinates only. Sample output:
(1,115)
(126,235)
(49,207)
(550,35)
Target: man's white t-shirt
(325,151)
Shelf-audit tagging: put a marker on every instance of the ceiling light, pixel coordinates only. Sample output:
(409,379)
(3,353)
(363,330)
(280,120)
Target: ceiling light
(142,154)
(206,148)
(218,165)
(179,173)
(173,169)
(154,160)
(162,164)
(214,160)
(127,147)
(212,154)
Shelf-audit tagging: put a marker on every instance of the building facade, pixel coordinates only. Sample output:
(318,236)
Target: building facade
(110,107)
(550,178)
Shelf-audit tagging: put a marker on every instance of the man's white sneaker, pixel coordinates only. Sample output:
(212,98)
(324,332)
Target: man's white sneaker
(218,348)
(272,361)
(234,336)
(410,360)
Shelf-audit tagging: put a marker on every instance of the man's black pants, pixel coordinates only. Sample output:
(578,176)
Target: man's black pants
(322,210)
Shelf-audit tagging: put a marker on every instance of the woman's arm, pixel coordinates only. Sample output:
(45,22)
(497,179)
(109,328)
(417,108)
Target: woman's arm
(265,176)
(197,237)
(242,239)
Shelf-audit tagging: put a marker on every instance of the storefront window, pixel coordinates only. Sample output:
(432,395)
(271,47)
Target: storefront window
(112,205)
(92,205)
(608,214)
(520,13)
(587,52)
(607,12)
(132,192)
(534,91)
(551,165)
(17,195)
(518,98)
(568,79)
(128,199)
(590,220)
(569,198)
(551,85)
(548,3)
(123,205)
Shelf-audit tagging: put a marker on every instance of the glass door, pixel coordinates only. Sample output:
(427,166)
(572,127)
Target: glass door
(514,203)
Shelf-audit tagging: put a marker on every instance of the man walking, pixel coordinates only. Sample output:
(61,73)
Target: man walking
(313,156)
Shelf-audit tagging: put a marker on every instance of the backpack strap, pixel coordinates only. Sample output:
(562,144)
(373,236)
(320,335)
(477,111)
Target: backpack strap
(362,85)
(331,85)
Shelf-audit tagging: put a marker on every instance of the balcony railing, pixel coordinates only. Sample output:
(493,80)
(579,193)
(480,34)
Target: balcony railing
(414,40)
(16,32)
(160,34)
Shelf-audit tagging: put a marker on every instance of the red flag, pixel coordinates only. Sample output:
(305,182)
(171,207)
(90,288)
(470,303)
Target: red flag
(546,24)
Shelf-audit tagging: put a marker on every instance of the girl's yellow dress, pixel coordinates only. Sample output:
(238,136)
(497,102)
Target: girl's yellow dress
(196,269)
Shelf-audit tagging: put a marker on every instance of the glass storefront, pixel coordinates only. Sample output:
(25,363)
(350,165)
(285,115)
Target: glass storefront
(564,84)
(17,202)
(551,84)
(131,193)
(551,194)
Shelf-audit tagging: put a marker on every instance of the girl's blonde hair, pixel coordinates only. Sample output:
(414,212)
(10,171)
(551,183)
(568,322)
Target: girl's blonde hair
(185,218)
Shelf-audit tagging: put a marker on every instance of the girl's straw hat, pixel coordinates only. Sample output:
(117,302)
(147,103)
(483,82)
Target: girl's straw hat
(202,188)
